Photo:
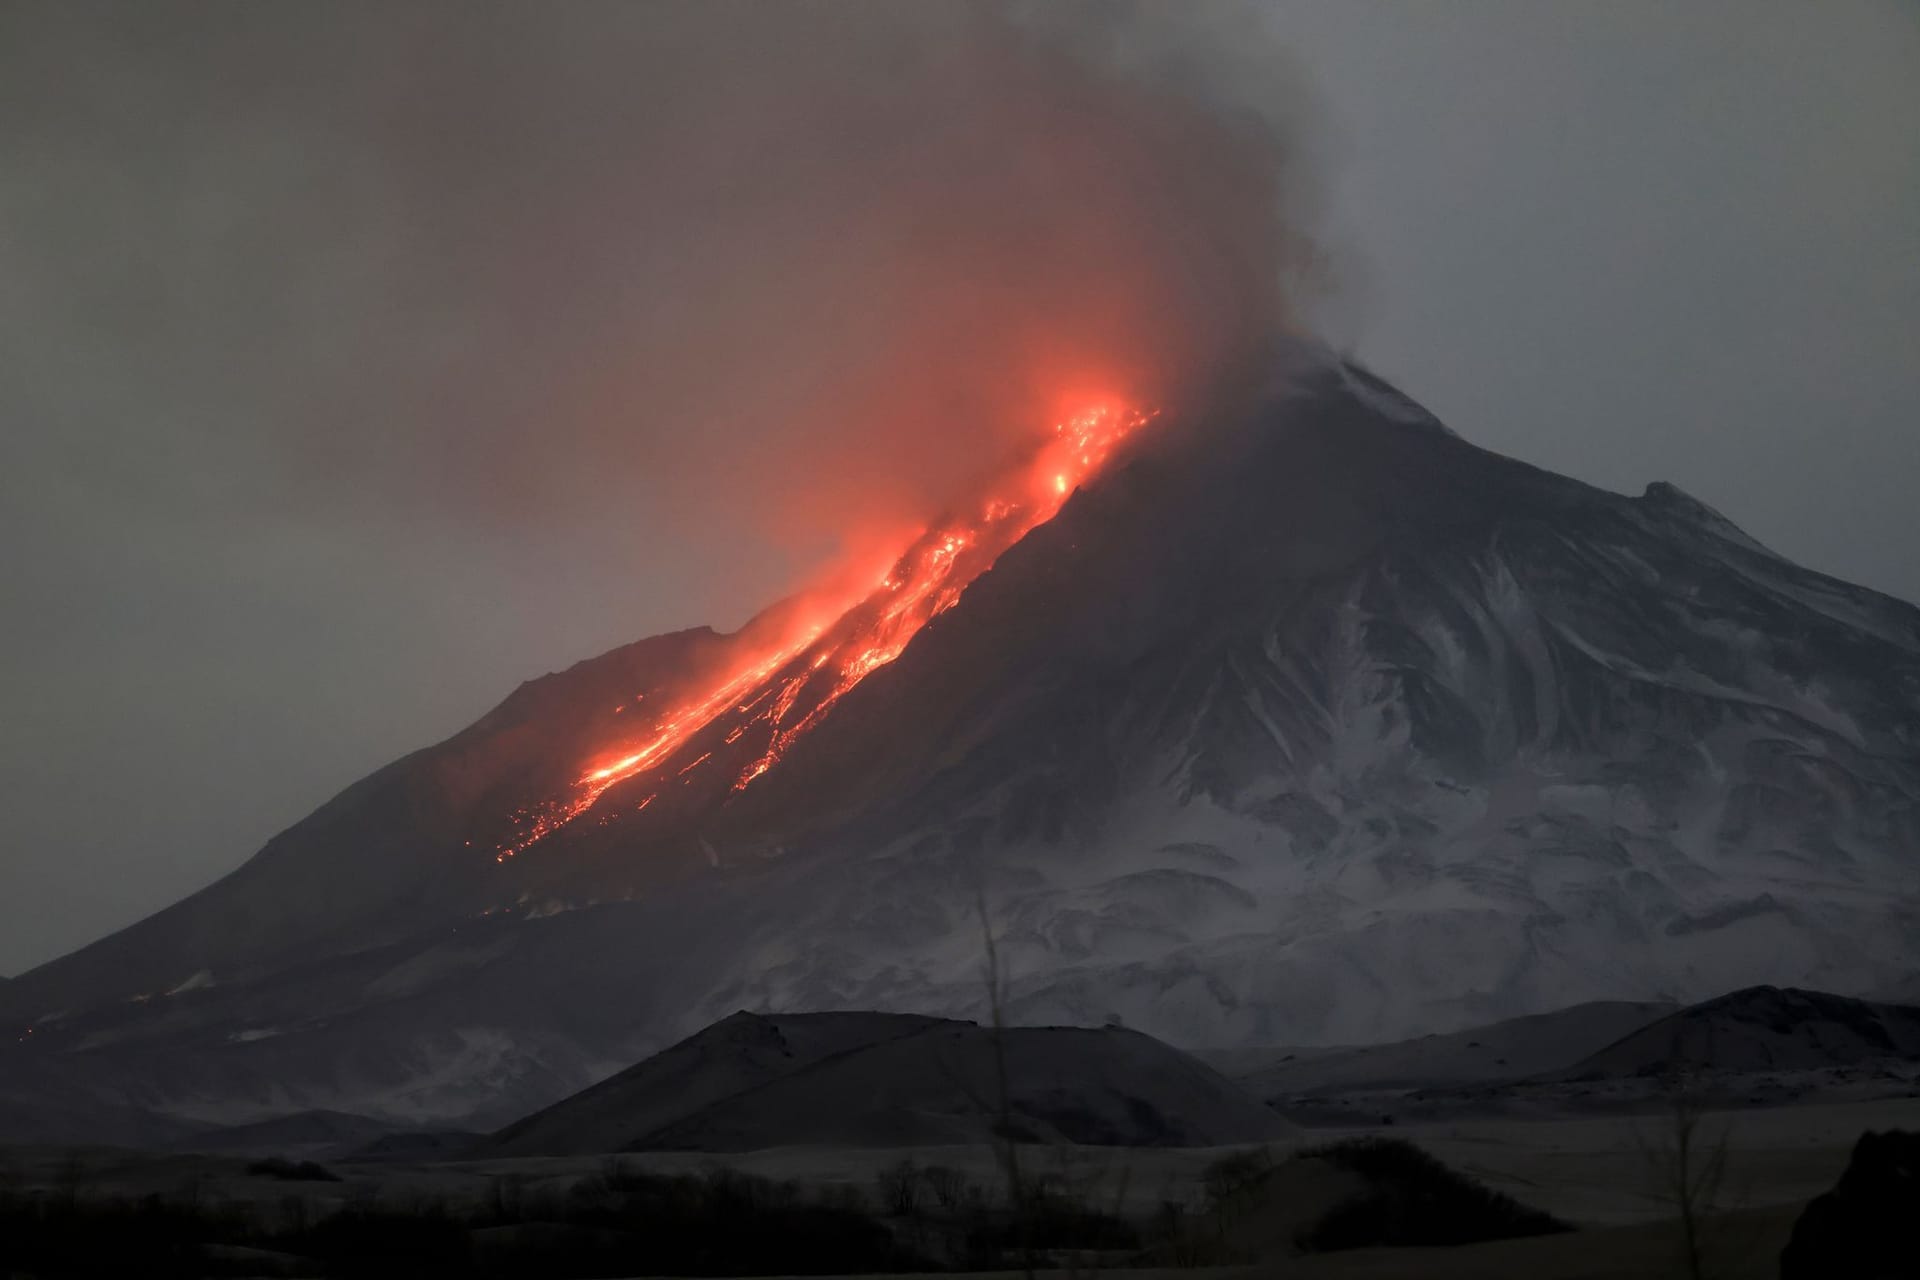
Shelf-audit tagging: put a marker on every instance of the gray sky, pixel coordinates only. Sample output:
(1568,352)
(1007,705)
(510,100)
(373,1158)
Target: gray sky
(358,362)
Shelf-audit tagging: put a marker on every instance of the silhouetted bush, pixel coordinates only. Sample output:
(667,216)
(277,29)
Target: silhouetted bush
(619,1221)
(1231,1175)
(1414,1199)
(74,1237)
(947,1186)
(289,1171)
(1865,1226)
(616,1223)
(899,1187)
(365,1240)
(1057,1222)
(722,1223)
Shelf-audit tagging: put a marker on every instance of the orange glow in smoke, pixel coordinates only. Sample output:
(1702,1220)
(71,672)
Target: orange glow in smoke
(762,706)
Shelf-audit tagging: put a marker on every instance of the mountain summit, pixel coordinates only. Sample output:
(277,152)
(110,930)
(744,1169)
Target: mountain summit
(1297,719)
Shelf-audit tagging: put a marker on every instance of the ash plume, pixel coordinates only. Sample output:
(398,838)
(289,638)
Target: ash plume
(807,270)
(414,348)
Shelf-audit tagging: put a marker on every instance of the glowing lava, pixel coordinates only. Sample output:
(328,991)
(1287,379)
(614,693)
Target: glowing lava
(760,707)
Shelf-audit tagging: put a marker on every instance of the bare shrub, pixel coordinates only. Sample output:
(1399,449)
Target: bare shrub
(1688,1162)
(948,1187)
(899,1187)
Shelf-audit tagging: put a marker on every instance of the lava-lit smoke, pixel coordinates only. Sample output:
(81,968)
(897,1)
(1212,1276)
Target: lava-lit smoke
(870,239)
(730,280)
(777,690)
(865,247)
(662,309)
(714,290)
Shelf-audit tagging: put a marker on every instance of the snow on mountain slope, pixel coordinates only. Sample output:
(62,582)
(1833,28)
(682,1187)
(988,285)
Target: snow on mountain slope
(1303,722)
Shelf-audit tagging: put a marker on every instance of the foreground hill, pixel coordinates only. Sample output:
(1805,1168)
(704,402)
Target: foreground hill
(754,1081)
(1508,1050)
(1757,1047)
(1303,721)
(1761,1029)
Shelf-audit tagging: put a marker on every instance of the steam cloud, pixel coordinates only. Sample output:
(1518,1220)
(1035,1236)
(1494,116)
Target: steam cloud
(809,268)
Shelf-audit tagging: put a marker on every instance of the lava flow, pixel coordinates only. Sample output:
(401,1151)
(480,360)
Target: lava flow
(760,707)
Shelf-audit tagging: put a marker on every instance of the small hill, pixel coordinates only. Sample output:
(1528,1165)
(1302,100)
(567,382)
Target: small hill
(1509,1050)
(44,1122)
(733,1056)
(1358,1193)
(314,1132)
(415,1145)
(1760,1029)
(754,1081)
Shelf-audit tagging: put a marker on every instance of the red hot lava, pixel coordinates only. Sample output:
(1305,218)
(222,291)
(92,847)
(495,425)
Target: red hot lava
(777,693)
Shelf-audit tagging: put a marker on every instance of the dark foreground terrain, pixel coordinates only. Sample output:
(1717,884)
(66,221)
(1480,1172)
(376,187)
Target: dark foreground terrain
(1487,1198)
(1253,1204)
(862,1143)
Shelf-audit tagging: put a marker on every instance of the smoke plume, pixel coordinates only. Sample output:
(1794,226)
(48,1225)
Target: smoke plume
(803,270)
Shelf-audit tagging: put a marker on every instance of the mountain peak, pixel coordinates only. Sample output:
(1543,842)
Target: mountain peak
(1671,499)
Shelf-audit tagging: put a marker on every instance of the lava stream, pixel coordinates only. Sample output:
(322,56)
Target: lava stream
(781,692)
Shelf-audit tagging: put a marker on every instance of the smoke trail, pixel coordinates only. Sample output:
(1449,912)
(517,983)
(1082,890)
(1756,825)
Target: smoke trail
(804,269)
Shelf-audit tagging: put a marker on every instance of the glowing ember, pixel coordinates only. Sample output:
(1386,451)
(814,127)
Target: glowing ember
(778,694)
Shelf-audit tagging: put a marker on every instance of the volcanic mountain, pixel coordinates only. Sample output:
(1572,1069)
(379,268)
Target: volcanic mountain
(1293,718)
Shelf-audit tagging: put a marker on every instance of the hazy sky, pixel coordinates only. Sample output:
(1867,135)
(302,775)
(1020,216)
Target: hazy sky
(358,362)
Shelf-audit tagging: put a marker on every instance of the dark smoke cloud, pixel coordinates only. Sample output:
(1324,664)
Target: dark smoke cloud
(363,359)
(736,261)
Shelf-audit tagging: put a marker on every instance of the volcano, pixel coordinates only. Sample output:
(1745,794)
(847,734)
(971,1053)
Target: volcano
(1290,718)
